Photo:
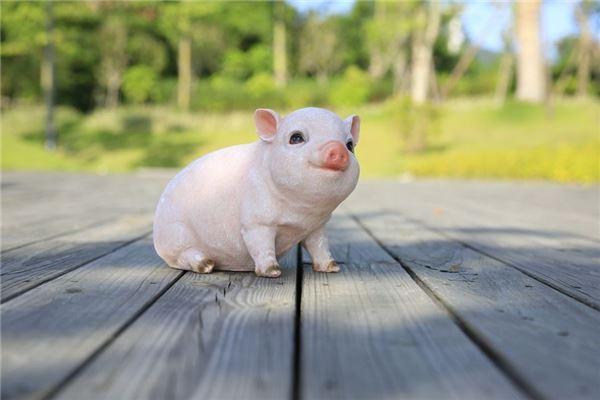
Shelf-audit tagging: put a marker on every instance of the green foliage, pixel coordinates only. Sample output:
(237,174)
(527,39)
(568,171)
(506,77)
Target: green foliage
(262,90)
(417,124)
(123,49)
(98,43)
(352,89)
(472,139)
(304,92)
(139,83)
(320,47)
(242,65)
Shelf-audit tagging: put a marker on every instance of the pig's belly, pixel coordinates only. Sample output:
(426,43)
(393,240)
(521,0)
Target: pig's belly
(214,228)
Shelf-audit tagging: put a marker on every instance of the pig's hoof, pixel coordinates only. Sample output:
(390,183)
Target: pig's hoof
(272,271)
(332,266)
(195,261)
(204,267)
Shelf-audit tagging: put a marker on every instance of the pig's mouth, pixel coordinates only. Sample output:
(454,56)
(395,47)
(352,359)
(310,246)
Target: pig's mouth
(327,168)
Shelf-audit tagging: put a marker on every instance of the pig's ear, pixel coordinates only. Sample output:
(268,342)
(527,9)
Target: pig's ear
(353,123)
(266,122)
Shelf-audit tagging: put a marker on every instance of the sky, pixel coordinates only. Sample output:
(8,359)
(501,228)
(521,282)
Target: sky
(484,20)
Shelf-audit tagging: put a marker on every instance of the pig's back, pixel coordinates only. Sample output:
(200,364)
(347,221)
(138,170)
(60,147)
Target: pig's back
(205,197)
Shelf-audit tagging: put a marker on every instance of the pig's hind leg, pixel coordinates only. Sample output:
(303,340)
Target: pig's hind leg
(176,244)
(192,259)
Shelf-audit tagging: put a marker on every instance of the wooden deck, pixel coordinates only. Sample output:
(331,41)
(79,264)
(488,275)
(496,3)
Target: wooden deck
(448,290)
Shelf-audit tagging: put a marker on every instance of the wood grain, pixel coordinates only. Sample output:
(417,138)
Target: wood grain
(369,331)
(216,336)
(37,207)
(50,331)
(29,266)
(516,316)
(556,253)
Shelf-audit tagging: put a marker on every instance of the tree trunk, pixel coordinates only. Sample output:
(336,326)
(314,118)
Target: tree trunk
(506,70)
(428,22)
(531,82)
(377,62)
(504,78)
(48,76)
(279,45)
(400,73)
(113,85)
(114,58)
(184,72)
(459,70)
(585,52)
(377,65)
(434,88)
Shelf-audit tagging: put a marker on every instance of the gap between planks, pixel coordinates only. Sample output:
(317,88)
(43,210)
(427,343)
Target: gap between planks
(495,358)
(85,374)
(297,355)
(93,224)
(485,253)
(66,271)
(56,389)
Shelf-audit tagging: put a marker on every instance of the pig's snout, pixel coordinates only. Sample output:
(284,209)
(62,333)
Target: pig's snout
(334,156)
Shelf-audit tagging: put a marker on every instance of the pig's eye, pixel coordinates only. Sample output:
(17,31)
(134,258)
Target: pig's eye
(350,146)
(297,138)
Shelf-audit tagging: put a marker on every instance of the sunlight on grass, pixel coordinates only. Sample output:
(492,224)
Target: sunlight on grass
(472,139)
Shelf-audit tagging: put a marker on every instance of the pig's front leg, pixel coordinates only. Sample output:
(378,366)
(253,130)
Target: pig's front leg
(260,242)
(318,247)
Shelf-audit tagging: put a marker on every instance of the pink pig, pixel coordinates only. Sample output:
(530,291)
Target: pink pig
(241,207)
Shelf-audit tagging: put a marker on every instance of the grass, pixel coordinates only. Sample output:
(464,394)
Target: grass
(471,138)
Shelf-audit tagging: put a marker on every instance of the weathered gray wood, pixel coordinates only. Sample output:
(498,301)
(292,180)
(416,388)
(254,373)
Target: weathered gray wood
(35,209)
(370,331)
(216,336)
(540,208)
(48,332)
(563,259)
(548,339)
(29,266)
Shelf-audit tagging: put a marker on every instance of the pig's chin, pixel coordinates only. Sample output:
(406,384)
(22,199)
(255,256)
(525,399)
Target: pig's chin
(334,183)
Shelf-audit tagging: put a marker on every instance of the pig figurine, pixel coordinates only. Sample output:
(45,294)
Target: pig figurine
(241,207)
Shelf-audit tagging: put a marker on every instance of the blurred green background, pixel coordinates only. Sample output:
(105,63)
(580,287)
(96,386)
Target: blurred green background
(113,86)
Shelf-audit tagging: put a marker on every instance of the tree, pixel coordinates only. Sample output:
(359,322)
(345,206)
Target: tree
(319,47)
(505,72)
(113,49)
(279,45)
(387,34)
(582,12)
(189,26)
(23,39)
(49,78)
(184,66)
(531,76)
(427,22)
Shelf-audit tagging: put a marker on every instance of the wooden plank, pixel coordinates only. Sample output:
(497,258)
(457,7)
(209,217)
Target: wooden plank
(48,332)
(67,203)
(369,331)
(566,261)
(541,208)
(216,336)
(516,316)
(27,267)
